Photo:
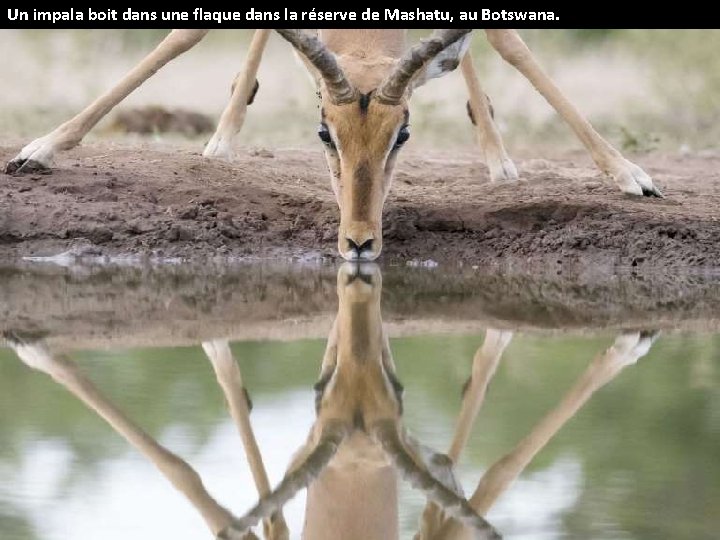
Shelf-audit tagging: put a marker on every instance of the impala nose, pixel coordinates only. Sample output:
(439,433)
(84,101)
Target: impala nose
(361,251)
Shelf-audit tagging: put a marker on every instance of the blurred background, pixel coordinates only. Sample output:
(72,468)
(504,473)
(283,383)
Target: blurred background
(643,89)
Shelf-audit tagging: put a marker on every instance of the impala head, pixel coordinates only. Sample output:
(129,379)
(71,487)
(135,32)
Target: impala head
(358,385)
(358,433)
(364,123)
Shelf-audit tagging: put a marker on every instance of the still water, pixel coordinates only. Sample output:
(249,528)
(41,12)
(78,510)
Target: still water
(404,401)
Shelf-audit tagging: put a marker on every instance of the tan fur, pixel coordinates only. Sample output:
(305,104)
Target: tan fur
(363,136)
(364,43)
(363,139)
(360,382)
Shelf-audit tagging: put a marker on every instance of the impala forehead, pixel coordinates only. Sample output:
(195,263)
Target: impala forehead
(364,122)
(365,73)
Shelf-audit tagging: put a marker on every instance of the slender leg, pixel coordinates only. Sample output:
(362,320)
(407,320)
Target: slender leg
(223,141)
(485,363)
(626,350)
(436,524)
(39,154)
(182,476)
(628,176)
(500,165)
(230,380)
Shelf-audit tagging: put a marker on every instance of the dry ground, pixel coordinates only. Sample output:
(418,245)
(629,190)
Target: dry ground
(145,198)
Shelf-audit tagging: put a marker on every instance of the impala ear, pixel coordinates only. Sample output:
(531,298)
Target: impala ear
(445,62)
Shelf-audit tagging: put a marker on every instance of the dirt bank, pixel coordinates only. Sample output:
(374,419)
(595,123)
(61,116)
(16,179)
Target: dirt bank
(169,201)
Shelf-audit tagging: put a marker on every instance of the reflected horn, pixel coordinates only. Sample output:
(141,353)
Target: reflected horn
(296,480)
(420,477)
(392,89)
(339,88)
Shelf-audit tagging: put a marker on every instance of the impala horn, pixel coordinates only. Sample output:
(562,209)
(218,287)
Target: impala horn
(294,481)
(392,89)
(420,477)
(339,88)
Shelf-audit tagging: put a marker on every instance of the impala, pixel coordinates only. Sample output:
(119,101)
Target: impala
(365,79)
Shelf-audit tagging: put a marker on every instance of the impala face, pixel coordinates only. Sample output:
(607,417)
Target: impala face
(362,140)
(362,388)
(364,81)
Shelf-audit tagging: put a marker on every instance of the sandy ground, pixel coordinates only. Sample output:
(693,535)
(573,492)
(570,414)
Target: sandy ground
(169,201)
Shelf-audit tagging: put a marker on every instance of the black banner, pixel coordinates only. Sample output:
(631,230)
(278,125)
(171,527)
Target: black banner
(569,16)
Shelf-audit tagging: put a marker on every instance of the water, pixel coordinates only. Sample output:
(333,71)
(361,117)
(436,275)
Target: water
(572,438)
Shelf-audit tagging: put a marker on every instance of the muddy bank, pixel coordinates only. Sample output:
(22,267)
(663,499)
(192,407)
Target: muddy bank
(99,306)
(169,201)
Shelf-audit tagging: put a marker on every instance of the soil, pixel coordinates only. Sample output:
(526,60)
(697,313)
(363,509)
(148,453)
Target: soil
(151,199)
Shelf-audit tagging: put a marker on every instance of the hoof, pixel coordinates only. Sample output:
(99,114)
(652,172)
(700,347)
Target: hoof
(28,166)
(634,181)
(503,170)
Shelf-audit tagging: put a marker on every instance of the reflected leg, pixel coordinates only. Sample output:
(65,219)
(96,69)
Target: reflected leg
(435,523)
(626,350)
(230,380)
(485,363)
(182,476)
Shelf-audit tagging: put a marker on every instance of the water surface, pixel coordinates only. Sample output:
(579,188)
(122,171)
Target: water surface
(598,411)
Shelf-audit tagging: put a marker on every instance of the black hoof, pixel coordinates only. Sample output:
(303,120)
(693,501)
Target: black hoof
(649,334)
(18,337)
(13,166)
(26,166)
(654,192)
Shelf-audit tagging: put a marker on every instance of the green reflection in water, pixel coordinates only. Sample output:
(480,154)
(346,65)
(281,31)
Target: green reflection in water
(647,443)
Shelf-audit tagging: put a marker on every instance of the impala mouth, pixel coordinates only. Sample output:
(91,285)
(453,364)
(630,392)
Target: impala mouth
(364,271)
(353,255)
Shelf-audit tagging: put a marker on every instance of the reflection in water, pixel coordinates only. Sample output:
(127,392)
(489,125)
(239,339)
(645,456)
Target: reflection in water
(358,447)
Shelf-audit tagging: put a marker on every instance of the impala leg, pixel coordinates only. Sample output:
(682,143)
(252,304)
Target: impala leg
(628,176)
(626,350)
(182,476)
(222,142)
(435,523)
(488,137)
(230,380)
(39,154)
(485,363)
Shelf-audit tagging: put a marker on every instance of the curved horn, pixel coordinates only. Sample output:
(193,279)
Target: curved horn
(339,88)
(392,89)
(420,478)
(293,482)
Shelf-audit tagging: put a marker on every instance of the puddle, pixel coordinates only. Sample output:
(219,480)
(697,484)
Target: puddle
(411,400)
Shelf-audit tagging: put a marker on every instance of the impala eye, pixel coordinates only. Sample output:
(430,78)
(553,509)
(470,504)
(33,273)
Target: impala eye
(324,134)
(402,137)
